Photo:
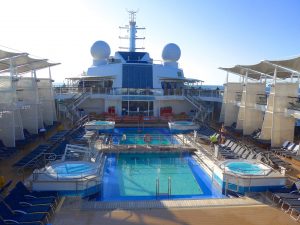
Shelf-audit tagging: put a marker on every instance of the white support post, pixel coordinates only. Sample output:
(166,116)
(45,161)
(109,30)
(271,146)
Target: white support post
(275,75)
(50,75)
(227,77)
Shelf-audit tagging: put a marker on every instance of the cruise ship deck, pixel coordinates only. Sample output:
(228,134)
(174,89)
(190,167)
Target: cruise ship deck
(133,141)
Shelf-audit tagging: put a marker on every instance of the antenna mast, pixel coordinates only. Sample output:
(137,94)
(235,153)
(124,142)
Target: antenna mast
(132,30)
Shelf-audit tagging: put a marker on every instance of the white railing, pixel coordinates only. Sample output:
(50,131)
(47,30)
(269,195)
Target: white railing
(143,92)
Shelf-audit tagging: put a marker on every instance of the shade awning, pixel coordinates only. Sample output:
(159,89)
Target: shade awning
(21,62)
(6,54)
(256,71)
(292,64)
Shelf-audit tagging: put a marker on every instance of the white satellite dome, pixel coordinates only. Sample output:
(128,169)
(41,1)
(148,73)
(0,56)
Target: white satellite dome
(171,52)
(100,50)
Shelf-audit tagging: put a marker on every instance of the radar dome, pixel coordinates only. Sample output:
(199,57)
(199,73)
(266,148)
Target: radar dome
(100,50)
(171,52)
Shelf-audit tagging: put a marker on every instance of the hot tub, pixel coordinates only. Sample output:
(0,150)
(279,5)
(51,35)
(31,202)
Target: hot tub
(68,177)
(183,126)
(71,170)
(102,126)
(246,168)
(247,176)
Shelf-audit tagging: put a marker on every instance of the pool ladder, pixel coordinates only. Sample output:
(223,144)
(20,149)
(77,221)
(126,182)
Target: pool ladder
(158,193)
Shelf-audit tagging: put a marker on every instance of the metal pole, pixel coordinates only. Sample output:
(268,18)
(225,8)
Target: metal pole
(169,186)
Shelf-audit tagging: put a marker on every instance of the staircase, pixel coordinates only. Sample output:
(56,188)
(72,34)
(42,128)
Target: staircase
(203,110)
(71,106)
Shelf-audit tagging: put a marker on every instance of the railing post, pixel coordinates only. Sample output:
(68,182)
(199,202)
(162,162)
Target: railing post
(157,187)
(169,186)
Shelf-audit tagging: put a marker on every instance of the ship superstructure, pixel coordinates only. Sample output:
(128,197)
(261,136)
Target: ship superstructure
(130,83)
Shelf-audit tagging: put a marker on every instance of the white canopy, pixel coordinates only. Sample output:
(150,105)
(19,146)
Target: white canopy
(266,68)
(21,62)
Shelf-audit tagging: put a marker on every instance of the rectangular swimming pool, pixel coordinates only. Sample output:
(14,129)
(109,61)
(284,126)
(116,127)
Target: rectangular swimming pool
(139,176)
(143,136)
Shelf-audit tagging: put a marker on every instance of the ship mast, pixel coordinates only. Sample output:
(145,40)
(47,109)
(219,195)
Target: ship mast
(132,30)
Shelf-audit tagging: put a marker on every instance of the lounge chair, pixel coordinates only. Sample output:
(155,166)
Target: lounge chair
(39,194)
(295,213)
(288,204)
(278,198)
(31,201)
(282,147)
(245,154)
(294,152)
(9,215)
(2,222)
(14,205)
(251,156)
(288,148)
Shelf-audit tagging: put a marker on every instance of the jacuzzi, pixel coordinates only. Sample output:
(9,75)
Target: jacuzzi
(244,167)
(182,126)
(102,126)
(71,170)
(67,177)
(247,176)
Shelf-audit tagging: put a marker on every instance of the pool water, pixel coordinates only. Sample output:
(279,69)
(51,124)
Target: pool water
(134,176)
(143,136)
(99,122)
(245,168)
(183,123)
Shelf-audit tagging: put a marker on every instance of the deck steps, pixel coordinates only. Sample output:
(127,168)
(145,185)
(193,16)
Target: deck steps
(78,203)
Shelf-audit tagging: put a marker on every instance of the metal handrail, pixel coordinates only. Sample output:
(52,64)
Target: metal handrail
(138,92)
(158,187)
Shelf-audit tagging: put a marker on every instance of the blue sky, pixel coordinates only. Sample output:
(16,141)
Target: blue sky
(211,33)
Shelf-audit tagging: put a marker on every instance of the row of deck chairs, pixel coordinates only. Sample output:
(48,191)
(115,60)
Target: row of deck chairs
(289,201)
(254,137)
(77,135)
(56,145)
(233,149)
(288,149)
(34,154)
(6,152)
(31,158)
(204,133)
(22,206)
(58,137)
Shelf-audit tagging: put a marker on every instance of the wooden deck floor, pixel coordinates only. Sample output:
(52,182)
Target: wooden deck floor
(241,215)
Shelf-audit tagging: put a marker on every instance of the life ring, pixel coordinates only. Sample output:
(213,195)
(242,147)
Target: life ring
(147,138)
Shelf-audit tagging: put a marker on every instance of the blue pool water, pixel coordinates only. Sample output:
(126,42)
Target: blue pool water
(245,168)
(99,122)
(143,136)
(183,123)
(134,176)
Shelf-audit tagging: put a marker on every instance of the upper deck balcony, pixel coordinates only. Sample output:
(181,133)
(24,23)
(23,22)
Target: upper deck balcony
(65,92)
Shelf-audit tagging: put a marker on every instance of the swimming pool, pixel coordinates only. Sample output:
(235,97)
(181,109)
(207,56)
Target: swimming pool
(143,136)
(139,176)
